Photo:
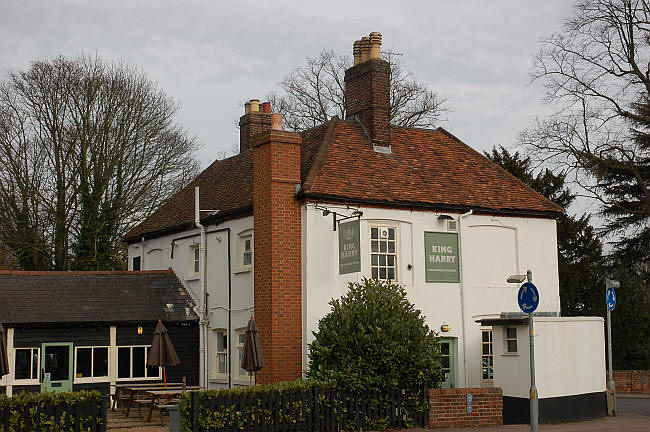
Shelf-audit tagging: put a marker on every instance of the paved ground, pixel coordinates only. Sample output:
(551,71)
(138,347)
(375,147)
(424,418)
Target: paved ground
(118,423)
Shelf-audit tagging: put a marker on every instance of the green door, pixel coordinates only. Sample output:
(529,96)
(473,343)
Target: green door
(448,360)
(56,366)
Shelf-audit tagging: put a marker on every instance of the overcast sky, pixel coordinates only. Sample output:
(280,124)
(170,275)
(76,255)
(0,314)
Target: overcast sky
(213,55)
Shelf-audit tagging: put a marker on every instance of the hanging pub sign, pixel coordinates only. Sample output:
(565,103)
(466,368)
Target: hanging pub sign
(349,247)
(441,257)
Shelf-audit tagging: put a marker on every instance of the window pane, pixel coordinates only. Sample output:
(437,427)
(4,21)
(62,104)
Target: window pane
(382,273)
(23,363)
(83,362)
(382,247)
(486,349)
(138,362)
(221,363)
(57,362)
(444,349)
(374,233)
(391,233)
(511,333)
(382,260)
(247,245)
(391,247)
(391,274)
(445,362)
(375,273)
(485,373)
(242,371)
(375,246)
(100,362)
(247,258)
(512,346)
(124,362)
(136,263)
(220,344)
(374,259)
(153,371)
(486,336)
(391,260)
(242,337)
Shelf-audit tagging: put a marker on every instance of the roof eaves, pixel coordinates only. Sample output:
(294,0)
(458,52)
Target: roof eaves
(430,206)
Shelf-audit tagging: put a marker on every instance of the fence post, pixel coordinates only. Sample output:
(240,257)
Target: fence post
(194,411)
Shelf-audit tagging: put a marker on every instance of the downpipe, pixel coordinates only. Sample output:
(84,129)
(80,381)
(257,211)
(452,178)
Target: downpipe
(462,294)
(203,364)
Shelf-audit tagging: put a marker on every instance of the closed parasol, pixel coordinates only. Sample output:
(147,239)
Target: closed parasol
(252,359)
(4,358)
(162,352)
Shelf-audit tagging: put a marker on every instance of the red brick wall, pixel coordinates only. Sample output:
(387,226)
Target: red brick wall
(367,96)
(277,238)
(448,407)
(631,381)
(251,125)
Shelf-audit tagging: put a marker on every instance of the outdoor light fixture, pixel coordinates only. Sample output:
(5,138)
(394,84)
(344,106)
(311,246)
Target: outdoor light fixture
(357,213)
(516,278)
(326,212)
(445,217)
(336,217)
(139,330)
(445,328)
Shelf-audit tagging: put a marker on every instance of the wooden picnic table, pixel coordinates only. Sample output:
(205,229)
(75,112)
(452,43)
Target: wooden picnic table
(120,386)
(133,391)
(159,395)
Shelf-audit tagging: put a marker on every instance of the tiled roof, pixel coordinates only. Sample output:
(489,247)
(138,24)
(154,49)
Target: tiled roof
(427,168)
(73,297)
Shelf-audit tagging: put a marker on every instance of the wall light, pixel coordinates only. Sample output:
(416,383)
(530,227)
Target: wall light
(445,217)
(445,328)
(139,330)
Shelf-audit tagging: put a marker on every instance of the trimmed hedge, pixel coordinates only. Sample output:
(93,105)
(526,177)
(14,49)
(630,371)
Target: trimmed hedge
(301,404)
(54,412)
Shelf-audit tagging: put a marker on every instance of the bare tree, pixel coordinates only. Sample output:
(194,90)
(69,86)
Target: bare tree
(87,149)
(597,75)
(315,92)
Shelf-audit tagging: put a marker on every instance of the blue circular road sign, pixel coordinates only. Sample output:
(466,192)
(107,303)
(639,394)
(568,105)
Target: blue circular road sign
(611,299)
(528,298)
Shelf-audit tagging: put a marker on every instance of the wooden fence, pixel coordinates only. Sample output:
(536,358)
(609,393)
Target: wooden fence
(314,409)
(88,415)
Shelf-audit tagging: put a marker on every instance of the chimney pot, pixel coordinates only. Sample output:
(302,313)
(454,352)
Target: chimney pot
(266,107)
(247,108)
(356,50)
(255,105)
(276,121)
(375,45)
(365,49)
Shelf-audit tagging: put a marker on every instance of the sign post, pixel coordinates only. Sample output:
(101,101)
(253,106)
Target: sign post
(610,300)
(528,299)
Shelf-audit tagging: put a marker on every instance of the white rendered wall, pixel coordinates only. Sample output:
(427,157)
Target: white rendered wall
(492,248)
(569,358)
(158,254)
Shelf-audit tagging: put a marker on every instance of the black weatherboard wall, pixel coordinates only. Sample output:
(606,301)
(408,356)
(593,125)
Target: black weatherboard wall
(185,338)
(561,409)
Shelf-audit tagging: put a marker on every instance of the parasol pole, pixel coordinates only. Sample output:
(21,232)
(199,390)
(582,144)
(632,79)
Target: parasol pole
(164,376)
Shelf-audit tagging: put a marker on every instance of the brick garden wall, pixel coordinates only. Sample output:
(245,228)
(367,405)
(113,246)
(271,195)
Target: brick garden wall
(448,407)
(631,381)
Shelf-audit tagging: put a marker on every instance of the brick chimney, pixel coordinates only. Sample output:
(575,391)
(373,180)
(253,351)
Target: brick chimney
(278,268)
(367,90)
(253,122)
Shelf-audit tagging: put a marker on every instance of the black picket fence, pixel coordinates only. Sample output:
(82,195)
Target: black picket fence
(313,409)
(77,416)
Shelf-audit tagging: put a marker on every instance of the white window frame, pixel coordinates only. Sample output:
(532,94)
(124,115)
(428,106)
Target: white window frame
(506,339)
(146,356)
(487,382)
(218,353)
(241,250)
(396,253)
(92,378)
(194,259)
(12,367)
(239,346)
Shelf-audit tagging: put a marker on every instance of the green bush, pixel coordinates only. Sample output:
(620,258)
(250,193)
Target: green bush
(49,410)
(375,339)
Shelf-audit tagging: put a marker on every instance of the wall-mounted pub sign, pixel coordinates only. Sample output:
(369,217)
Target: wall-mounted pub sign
(349,247)
(441,257)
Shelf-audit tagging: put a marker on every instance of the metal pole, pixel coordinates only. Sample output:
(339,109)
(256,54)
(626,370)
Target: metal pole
(611,386)
(534,406)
